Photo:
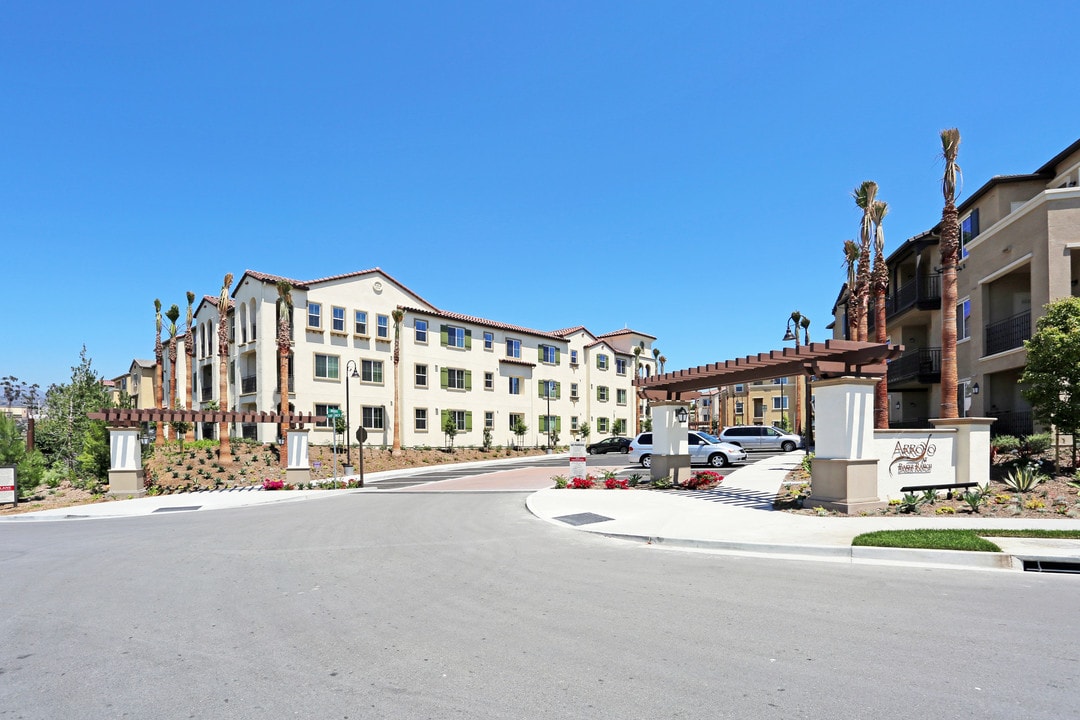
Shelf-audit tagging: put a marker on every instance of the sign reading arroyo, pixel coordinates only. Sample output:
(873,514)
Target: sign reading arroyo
(913,458)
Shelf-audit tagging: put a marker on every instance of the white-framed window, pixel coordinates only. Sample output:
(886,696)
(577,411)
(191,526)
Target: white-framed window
(780,402)
(738,407)
(455,336)
(322,410)
(963,320)
(573,423)
(549,423)
(314,315)
(515,385)
(549,389)
(489,381)
(371,371)
(455,378)
(373,418)
(620,396)
(602,361)
(573,357)
(337,319)
(326,367)
(420,374)
(360,322)
(489,419)
(620,366)
(420,327)
(513,348)
(969,230)
(420,419)
(548,354)
(382,327)
(460,418)
(602,425)
(515,418)
(489,341)
(602,393)
(739,388)
(573,391)
(780,381)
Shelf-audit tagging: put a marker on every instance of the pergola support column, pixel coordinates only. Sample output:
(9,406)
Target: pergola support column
(298,471)
(126,475)
(671,452)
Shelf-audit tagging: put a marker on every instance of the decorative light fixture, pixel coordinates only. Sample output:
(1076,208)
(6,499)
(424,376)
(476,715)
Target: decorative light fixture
(975,389)
(681,414)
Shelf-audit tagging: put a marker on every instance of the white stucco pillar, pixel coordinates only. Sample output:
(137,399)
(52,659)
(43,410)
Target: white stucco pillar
(972,447)
(125,462)
(299,468)
(671,452)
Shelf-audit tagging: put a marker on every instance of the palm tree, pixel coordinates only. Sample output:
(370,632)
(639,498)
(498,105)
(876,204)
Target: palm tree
(284,346)
(223,366)
(662,360)
(398,314)
(173,314)
(159,375)
(189,350)
(656,356)
(637,400)
(864,196)
(880,282)
(950,256)
(851,257)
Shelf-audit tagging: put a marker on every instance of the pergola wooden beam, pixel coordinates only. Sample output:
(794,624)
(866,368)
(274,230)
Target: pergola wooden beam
(120,417)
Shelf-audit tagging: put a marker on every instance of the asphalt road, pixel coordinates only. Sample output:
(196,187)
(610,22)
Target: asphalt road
(384,605)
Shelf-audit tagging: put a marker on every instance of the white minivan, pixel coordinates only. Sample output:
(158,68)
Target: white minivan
(704,448)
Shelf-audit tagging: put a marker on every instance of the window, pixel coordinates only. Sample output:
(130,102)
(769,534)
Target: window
(420,419)
(969,230)
(620,396)
(515,386)
(780,402)
(489,420)
(602,361)
(780,381)
(550,423)
(548,389)
(602,393)
(489,381)
(573,357)
(573,423)
(314,315)
(573,391)
(515,418)
(337,319)
(549,354)
(620,366)
(513,348)
(739,388)
(421,375)
(453,336)
(601,425)
(462,418)
(360,322)
(373,418)
(382,327)
(371,371)
(321,410)
(738,407)
(421,330)
(963,320)
(489,341)
(326,367)
(456,379)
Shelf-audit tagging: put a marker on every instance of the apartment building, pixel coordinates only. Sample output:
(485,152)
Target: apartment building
(1020,236)
(137,383)
(762,402)
(481,374)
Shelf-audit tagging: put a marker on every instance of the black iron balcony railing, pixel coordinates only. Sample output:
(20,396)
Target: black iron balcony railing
(248,384)
(921,363)
(909,424)
(1008,333)
(924,293)
(249,431)
(206,394)
(1012,423)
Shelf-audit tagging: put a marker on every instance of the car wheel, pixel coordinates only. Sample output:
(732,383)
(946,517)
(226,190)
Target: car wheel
(719,460)
(625,449)
(589,451)
(787,446)
(646,461)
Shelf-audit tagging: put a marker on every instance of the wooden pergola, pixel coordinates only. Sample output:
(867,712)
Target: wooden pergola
(119,417)
(829,359)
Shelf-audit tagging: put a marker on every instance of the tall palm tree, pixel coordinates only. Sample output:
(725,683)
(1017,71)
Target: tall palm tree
(864,196)
(662,360)
(398,314)
(223,366)
(159,375)
(950,256)
(637,400)
(173,313)
(284,346)
(851,258)
(189,350)
(656,356)
(880,283)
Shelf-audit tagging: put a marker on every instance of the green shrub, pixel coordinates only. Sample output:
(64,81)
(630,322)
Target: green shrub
(662,483)
(560,481)
(1036,444)
(806,461)
(1023,478)
(1005,443)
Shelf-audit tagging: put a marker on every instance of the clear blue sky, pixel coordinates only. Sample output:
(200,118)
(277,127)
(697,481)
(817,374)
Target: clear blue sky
(683,168)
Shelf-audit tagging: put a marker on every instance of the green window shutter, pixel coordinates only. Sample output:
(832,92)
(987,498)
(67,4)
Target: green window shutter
(442,377)
(597,361)
(540,388)
(442,420)
(468,379)
(558,390)
(540,353)
(541,425)
(468,339)
(468,420)
(444,333)
(597,393)
(558,355)
(558,423)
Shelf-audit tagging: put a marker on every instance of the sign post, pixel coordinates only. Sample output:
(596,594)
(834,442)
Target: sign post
(578,464)
(9,488)
(333,415)
(361,438)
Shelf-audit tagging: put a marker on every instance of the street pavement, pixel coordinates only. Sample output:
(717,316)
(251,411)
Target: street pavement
(735,518)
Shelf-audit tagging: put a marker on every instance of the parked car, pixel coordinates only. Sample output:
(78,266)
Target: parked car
(609,445)
(760,437)
(705,449)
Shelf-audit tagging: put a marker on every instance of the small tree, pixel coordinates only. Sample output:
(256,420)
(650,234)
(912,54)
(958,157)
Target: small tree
(487,438)
(520,428)
(29,466)
(450,429)
(584,430)
(618,427)
(1051,379)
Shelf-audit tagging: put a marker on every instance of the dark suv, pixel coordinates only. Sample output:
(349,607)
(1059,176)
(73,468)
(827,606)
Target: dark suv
(609,445)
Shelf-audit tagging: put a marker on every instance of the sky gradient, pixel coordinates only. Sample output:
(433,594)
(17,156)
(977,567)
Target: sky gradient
(683,169)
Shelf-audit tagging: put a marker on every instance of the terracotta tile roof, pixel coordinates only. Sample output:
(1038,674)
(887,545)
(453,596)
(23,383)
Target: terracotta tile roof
(571,330)
(306,284)
(626,331)
(515,361)
(481,321)
(272,279)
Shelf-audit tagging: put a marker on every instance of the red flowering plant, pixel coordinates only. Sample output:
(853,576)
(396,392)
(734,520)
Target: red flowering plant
(702,480)
(616,484)
(269,484)
(582,483)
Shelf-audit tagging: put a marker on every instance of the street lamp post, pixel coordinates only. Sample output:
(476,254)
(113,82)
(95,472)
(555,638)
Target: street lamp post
(548,386)
(348,418)
(801,321)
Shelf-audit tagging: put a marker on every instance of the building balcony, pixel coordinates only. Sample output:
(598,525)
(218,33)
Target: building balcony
(249,431)
(248,385)
(921,293)
(921,364)
(292,385)
(206,394)
(1008,334)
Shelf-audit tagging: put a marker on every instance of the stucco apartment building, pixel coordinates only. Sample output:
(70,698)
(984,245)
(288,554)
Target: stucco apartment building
(480,373)
(1021,250)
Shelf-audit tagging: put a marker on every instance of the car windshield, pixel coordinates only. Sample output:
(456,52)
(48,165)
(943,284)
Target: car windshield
(711,439)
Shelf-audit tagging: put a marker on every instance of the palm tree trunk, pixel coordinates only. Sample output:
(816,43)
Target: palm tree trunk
(950,235)
(881,392)
(283,407)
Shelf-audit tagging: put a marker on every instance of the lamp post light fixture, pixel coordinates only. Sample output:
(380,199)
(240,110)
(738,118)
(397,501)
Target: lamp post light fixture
(681,415)
(798,320)
(348,421)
